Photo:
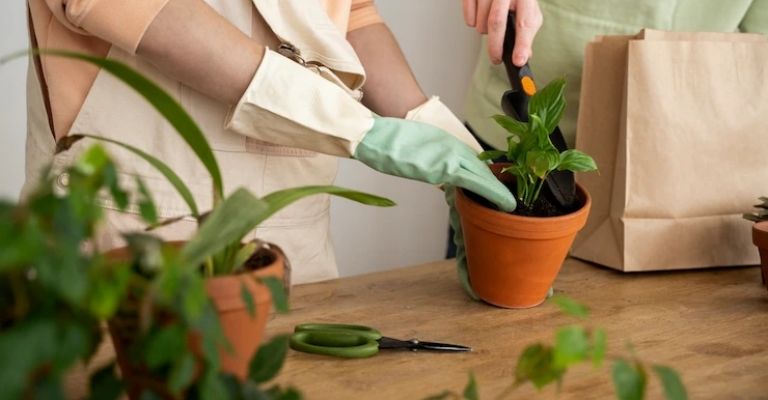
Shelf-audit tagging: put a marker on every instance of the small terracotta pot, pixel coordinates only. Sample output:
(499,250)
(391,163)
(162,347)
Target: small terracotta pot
(760,239)
(513,260)
(243,332)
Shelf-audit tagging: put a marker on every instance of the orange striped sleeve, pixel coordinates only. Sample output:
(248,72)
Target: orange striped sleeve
(120,22)
(363,13)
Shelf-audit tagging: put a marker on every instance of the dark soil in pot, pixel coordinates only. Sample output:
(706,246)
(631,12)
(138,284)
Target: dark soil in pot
(544,206)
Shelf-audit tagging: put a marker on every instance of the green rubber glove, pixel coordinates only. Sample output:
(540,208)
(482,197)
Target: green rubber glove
(458,240)
(420,151)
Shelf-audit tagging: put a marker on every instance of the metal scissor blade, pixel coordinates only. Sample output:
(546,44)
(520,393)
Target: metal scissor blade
(416,345)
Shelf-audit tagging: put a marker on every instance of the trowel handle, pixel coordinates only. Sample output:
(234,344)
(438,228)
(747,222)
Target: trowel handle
(520,78)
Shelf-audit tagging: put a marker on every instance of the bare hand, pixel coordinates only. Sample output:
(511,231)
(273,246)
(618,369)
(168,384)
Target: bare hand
(490,16)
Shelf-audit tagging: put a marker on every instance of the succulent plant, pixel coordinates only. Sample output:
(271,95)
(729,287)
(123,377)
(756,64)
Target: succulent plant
(761,214)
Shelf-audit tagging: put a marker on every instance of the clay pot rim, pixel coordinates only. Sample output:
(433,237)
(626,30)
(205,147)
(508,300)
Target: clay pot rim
(217,282)
(118,253)
(760,234)
(522,227)
(522,218)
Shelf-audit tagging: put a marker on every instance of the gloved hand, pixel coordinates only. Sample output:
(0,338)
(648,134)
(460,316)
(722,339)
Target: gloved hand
(288,104)
(434,112)
(458,241)
(419,151)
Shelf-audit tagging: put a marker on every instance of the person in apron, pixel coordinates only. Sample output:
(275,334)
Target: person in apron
(276,85)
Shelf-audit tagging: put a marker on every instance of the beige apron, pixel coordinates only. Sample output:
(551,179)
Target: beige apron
(114,110)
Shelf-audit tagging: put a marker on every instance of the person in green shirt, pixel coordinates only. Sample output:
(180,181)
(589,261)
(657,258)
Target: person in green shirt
(558,48)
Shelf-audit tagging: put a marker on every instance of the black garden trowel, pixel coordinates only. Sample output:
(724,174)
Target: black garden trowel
(560,185)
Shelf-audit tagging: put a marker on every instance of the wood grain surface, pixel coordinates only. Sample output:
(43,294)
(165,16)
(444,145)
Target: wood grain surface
(710,325)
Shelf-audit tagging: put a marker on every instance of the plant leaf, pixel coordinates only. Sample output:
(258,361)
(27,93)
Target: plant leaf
(241,212)
(160,166)
(165,222)
(93,159)
(282,198)
(535,365)
(147,208)
(513,169)
(574,160)
(628,380)
(243,254)
(470,391)
(112,182)
(571,345)
(539,130)
(542,162)
(182,373)
(511,125)
(162,102)
(269,359)
(549,104)
(165,345)
(570,307)
(228,223)
(673,386)
(279,297)
(491,155)
(105,384)
(250,305)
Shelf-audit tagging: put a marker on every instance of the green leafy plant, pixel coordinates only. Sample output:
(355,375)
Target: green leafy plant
(529,149)
(761,214)
(544,364)
(158,291)
(56,287)
(53,293)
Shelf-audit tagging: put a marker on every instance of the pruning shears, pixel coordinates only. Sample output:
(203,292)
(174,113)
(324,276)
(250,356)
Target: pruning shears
(560,185)
(356,341)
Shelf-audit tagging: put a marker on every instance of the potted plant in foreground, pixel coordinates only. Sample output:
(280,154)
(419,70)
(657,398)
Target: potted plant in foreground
(236,276)
(760,234)
(513,258)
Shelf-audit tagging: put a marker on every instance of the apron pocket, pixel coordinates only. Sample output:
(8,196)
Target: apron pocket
(268,149)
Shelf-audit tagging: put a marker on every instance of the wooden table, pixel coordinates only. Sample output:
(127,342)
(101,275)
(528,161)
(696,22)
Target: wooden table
(712,326)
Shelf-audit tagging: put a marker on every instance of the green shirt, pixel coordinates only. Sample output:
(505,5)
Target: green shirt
(569,25)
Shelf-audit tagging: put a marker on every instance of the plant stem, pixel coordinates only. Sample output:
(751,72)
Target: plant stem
(209,267)
(21,303)
(539,185)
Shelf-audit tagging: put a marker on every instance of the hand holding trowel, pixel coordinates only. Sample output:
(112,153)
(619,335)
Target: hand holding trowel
(560,185)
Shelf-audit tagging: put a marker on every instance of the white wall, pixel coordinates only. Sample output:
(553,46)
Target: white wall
(441,51)
(13,125)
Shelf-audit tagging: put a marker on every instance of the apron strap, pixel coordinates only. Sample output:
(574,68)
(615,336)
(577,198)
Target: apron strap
(39,71)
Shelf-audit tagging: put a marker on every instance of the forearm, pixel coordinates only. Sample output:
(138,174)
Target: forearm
(192,43)
(390,89)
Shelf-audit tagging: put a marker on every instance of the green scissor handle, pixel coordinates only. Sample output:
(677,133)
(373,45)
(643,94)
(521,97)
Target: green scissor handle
(338,340)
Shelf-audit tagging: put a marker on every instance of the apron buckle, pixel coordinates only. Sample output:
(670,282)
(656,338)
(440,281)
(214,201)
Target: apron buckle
(291,52)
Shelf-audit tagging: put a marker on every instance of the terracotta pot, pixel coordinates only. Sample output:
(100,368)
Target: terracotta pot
(513,260)
(760,239)
(243,332)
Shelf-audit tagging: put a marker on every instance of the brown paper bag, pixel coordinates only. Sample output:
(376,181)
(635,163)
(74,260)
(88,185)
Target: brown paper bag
(678,125)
